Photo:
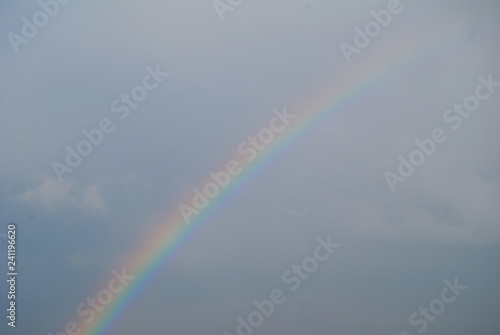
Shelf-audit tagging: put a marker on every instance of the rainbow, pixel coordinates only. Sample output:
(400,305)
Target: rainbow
(359,80)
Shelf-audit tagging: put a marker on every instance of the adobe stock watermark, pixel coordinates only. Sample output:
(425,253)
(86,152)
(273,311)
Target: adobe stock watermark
(30,28)
(223,6)
(373,28)
(436,307)
(292,278)
(121,106)
(249,150)
(454,118)
(90,308)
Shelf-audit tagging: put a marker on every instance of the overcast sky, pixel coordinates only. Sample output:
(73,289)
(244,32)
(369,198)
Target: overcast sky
(227,72)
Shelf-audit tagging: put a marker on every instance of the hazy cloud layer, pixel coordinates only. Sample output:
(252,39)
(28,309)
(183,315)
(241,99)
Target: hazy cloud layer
(225,78)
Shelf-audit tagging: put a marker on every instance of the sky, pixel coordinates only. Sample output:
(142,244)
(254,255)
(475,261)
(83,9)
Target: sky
(375,158)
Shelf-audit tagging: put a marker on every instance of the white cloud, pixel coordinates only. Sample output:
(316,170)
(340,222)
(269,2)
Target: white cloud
(53,196)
